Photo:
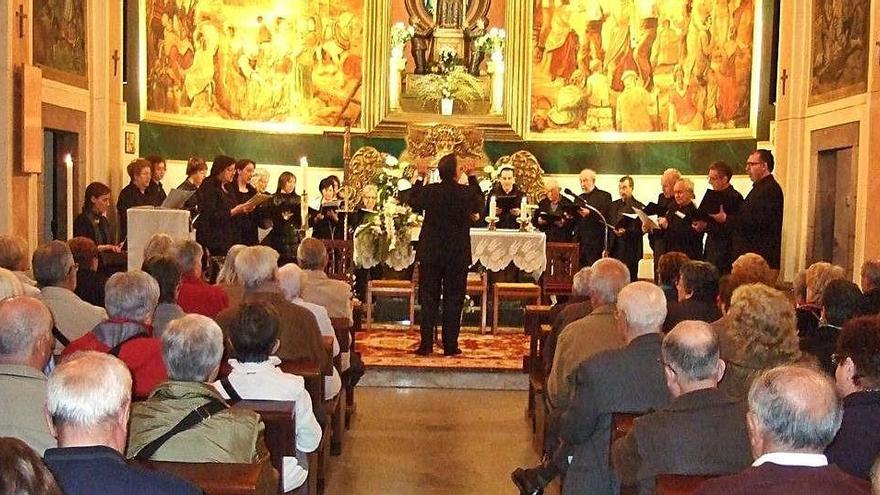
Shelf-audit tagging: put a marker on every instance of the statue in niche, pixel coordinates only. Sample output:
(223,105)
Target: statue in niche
(473,55)
(423,38)
(450,14)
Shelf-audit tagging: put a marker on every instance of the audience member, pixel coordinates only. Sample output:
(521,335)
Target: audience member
(55,271)
(841,301)
(228,280)
(668,270)
(14,257)
(25,350)
(10,285)
(196,295)
(726,287)
(702,431)
(300,336)
(793,415)
(697,288)
(159,245)
(22,472)
(762,334)
(166,272)
(255,376)
(576,308)
(818,276)
(589,335)
(628,379)
(871,285)
(799,288)
(192,347)
(127,334)
(89,281)
(752,268)
(857,374)
(318,288)
(88,404)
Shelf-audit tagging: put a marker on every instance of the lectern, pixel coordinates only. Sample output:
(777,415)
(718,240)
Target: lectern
(144,221)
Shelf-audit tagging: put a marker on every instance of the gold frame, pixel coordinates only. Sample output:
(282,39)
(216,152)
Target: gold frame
(750,132)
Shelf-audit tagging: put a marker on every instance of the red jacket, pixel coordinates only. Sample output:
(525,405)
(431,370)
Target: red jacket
(143,356)
(197,296)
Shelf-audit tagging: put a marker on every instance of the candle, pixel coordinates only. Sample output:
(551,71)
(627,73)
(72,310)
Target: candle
(68,162)
(492,212)
(303,169)
(304,204)
(522,208)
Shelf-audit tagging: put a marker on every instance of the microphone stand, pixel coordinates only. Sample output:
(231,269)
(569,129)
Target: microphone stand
(579,202)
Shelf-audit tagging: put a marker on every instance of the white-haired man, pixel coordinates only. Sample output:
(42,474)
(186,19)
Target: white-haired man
(25,349)
(88,408)
(702,431)
(55,272)
(318,288)
(574,309)
(192,347)
(590,230)
(555,213)
(665,200)
(794,413)
(299,333)
(589,335)
(196,295)
(629,379)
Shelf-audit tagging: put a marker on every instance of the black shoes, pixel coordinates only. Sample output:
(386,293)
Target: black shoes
(453,352)
(532,481)
(423,351)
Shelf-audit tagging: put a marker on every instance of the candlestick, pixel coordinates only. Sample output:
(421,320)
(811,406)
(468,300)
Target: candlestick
(68,162)
(522,208)
(492,206)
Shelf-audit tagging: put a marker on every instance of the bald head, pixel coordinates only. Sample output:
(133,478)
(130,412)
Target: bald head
(691,349)
(25,332)
(607,277)
(793,409)
(642,307)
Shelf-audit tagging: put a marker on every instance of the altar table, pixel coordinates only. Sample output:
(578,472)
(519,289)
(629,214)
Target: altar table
(495,250)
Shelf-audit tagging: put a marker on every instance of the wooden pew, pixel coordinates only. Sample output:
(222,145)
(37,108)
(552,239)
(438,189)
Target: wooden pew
(221,479)
(621,424)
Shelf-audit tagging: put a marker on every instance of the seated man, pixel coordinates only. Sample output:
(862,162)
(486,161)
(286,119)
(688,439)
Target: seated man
(14,257)
(255,376)
(697,288)
(196,295)
(575,309)
(318,288)
(55,271)
(25,349)
(300,337)
(131,299)
(793,415)
(629,379)
(702,431)
(192,347)
(88,406)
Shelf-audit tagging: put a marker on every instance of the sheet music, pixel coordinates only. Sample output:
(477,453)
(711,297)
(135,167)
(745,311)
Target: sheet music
(176,199)
(649,220)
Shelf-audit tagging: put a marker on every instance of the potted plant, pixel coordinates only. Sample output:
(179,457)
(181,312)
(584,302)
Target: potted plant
(493,42)
(400,35)
(456,86)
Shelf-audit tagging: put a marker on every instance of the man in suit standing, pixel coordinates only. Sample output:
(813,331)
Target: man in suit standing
(793,415)
(665,200)
(589,228)
(626,242)
(702,431)
(629,379)
(719,244)
(757,227)
(554,214)
(444,250)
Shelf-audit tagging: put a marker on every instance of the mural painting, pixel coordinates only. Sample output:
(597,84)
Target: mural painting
(60,41)
(840,44)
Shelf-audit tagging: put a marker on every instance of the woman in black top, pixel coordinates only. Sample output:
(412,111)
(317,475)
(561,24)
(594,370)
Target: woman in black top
(285,213)
(242,190)
(323,218)
(217,206)
(136,193)
(157,169)
(92,221)
(196,170)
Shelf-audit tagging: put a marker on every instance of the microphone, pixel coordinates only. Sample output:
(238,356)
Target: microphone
(569,192)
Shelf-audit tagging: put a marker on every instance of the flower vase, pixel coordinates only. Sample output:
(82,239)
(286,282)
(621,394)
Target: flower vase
(497,55)
(396,52)
(446,106)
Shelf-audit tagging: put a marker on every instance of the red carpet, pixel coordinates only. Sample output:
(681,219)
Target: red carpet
(390,349)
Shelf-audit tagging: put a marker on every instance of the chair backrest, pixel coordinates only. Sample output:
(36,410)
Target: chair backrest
(280,432)
(220,478)
(340,254)
(680,484)
(563,262)
(621,424)
(310,371)
(343,333)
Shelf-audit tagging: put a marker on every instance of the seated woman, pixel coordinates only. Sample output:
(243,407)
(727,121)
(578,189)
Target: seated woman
(15,257)
(136,193)
(255,376)
(323,217)
(165,271)
(92,221)
(668,270)
(857,373)
(841,300)
(89,281)
(697,288)
(284,212)
(819,274)
(228,279)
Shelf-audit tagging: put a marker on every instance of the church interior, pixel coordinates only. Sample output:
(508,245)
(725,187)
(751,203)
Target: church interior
(375,93)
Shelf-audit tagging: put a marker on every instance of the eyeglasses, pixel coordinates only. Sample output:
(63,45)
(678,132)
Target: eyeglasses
(667,365)
(748,164)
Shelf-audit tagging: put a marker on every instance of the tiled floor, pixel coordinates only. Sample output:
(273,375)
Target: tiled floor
(431,442)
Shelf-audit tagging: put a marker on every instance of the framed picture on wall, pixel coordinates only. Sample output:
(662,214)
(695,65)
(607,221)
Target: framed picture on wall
(60,41)
(130,143)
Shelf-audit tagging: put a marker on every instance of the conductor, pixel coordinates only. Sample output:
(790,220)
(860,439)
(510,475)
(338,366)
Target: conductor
(444,250)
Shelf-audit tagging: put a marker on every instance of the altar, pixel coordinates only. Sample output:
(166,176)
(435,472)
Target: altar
(497,249)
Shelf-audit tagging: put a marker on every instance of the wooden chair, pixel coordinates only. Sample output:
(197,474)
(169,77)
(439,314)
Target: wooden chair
(477,285)
(621,424)
(221,479)
(393,288)
(510,290)
(534,321)
(563,262)
(680,484)
(340,253)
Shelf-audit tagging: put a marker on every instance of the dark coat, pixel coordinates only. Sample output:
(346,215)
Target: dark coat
(447,207)
(214,226)
(657,237)
(680,235)
(90,285)
(627,247)
(129,197)
(246,224)
(688,309)
(857,443)
(872,301)
(572,312)
(820,342)
(719,241)
(95,227)
(506,220)
(773,479)
(630,379)
(556,233)
(757,227)
(590,231)
(285,213)
(701,432)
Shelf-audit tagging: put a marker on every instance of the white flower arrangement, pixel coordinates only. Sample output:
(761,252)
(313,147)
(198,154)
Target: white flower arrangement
(447,58)
(493,40)
(384,237)
(400,34)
